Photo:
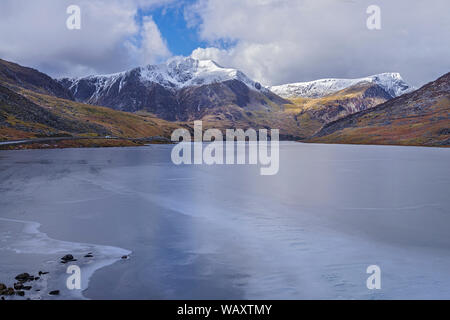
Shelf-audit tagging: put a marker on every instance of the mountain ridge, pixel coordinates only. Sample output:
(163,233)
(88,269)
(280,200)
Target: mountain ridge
(222,99)
(391,82)
(314,113)
(15,76)
(177,73)
(421,117)
(180,90)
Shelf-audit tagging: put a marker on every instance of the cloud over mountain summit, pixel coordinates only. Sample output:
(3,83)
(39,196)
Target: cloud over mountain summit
(272,41)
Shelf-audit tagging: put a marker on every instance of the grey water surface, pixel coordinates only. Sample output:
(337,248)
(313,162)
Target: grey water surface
(225,231)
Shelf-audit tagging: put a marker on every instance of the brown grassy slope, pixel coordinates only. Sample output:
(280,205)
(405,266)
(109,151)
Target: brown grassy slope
(21,118)
(303,117)
(235,117)
(32,105)
(421,118)
(230,105)
(30,115)
(294,125)
(118,123)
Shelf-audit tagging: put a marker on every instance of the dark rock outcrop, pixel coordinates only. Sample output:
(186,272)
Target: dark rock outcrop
(68,258)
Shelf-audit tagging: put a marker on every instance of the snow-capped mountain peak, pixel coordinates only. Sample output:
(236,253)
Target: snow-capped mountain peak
(182,72)
(177,73)
(392,83)
(178,89)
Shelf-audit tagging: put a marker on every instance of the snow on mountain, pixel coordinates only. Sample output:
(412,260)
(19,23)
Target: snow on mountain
(180,89)
(176,73)
(392,83)
(184,72)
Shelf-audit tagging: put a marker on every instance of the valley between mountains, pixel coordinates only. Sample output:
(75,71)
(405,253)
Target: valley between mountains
(146,104)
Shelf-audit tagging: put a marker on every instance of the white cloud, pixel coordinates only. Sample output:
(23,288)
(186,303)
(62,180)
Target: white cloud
(279,41)
(34,33)
(153,47)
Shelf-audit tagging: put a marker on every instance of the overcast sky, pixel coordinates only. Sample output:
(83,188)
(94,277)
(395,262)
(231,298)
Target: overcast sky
(272,41)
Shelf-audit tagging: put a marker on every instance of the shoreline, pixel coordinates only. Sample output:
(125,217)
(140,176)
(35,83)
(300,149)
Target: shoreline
(80,142)
(86,143)
(45,253)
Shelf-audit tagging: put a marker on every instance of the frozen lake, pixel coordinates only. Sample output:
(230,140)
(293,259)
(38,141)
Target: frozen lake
(206,232)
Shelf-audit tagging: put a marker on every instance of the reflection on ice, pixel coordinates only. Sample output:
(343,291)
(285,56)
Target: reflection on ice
(203,231)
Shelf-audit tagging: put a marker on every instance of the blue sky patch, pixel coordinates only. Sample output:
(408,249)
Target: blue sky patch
(181,40)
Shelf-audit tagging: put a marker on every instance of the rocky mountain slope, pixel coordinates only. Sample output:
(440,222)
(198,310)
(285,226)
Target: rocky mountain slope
(182,89)
(33,105)
(19,117)
(162,98)
(313,113)
(392,83)
(185,89)
(17,77)
(421,117)
(34,115)
(223,105)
